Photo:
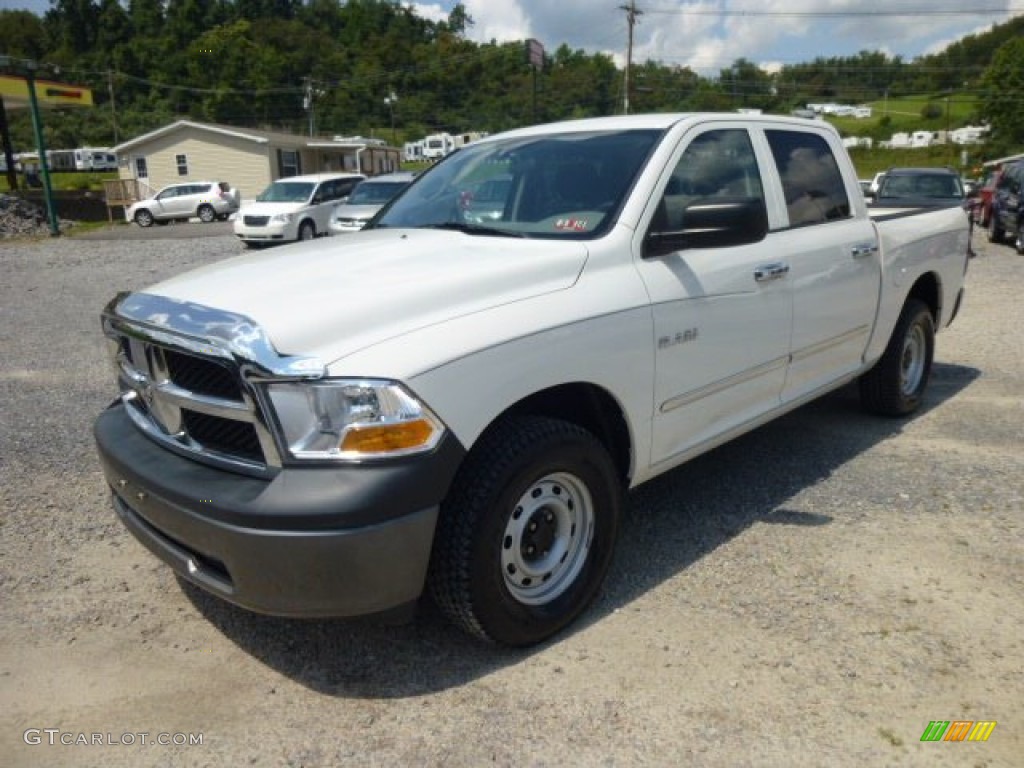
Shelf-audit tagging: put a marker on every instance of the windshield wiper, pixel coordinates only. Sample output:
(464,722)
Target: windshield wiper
(474,229)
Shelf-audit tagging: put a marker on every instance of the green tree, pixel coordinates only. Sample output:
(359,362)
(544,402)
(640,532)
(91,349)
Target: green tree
(22,35)
(1002,87)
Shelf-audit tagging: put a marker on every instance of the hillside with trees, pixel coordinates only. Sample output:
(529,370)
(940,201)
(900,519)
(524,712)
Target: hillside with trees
(331,67)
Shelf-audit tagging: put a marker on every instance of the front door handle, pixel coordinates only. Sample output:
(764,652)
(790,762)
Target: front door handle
(768,272)
(864,249)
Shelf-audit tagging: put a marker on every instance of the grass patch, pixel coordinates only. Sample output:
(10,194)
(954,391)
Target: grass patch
(65,181)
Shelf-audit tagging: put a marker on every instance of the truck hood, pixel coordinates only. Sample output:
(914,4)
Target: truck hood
(332,297)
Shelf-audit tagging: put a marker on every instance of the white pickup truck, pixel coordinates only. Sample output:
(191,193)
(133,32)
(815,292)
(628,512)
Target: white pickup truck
(455,399)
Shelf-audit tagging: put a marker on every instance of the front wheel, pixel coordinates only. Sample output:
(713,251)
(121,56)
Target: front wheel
(307,231)
(144,218)
(526,536)
(895,386)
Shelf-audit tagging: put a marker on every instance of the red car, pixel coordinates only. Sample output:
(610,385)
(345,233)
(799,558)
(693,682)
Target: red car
(981,207)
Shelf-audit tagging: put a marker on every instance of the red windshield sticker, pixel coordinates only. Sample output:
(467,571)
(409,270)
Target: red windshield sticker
(573,225)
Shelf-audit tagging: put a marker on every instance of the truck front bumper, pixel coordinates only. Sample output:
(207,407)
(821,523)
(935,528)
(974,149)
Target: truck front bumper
(318,541)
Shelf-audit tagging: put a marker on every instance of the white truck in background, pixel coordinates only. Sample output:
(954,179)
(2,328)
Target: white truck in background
(442,404)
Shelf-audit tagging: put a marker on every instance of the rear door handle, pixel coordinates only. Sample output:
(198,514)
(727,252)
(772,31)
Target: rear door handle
(863,250)
(768,272)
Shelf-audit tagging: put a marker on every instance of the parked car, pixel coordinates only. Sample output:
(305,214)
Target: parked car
(919,187)
(294,208)
(982,205)
(207,200)
(1007,218)
(366,199)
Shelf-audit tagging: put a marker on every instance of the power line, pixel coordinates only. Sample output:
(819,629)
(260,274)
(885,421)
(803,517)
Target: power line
(909,13)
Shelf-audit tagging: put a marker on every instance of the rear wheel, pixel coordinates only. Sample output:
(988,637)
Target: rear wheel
(307,231)
(206,214)
(895,386)
(527,533)
(144,218)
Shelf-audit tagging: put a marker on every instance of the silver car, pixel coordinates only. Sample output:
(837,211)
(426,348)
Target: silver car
(366,199)
(206,200)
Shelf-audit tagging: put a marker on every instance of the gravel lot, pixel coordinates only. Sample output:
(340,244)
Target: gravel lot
(812,594)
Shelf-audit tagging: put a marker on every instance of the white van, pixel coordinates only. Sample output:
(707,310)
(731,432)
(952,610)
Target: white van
(294,208)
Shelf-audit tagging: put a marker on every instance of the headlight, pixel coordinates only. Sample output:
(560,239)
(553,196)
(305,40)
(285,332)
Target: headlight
(352,419)
(282,217)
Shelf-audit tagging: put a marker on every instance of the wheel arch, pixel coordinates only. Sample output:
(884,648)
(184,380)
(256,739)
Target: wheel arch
(589,406)
(928,289)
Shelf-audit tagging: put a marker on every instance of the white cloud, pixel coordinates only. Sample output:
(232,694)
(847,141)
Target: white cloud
(708,35)
(430,11)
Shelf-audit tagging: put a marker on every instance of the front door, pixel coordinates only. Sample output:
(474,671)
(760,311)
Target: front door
(721,315)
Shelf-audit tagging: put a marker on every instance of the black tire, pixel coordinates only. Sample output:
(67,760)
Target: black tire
(527,533)
(307,230)
(206,214)
(895,385)
(144,218)
(1018,240)
(995,231)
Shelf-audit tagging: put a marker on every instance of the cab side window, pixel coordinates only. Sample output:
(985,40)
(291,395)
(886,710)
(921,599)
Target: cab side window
(811,180)
(718,164)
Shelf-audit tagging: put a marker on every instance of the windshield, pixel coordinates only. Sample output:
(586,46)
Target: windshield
(933,186)
(560,185)
(376,192)
(286,192)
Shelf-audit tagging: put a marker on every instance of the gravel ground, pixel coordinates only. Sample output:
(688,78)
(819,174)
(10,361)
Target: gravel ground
(812,594)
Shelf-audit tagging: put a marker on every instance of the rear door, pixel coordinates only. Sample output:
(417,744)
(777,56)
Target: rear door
(833,258)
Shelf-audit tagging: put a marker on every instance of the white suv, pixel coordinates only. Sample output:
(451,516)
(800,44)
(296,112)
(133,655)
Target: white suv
(208,200)
(294,208)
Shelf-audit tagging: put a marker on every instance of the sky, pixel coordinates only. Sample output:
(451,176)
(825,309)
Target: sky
(709,35)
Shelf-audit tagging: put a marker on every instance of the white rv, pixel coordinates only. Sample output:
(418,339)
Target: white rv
(437,145)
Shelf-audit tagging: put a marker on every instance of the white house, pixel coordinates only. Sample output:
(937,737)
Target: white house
(247,158)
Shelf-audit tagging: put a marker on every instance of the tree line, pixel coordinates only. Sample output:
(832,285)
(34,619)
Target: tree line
(376,68)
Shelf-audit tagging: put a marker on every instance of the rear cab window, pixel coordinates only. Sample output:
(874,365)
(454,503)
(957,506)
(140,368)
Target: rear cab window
(812,183)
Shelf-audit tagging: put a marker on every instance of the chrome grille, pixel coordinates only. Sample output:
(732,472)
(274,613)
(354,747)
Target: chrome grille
(256,221)
(201,376)
(236,438)
(195,405)
(188,375)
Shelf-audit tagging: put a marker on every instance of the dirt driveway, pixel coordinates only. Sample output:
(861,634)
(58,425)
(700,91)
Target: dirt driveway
(813,594)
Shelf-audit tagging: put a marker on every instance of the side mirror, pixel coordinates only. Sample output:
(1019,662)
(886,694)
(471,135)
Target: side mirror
(713,223)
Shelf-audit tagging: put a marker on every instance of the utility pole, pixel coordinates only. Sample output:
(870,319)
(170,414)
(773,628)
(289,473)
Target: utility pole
(113,107)
(390,100)
(307,102)
(631,15)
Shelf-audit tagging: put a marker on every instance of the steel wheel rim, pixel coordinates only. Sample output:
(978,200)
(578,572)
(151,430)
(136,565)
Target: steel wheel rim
(912,360)
(547,538)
